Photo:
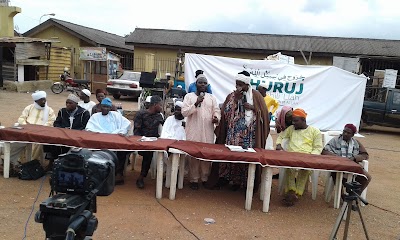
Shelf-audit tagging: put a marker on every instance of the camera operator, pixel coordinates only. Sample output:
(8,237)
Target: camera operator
(72,117)
(112,122)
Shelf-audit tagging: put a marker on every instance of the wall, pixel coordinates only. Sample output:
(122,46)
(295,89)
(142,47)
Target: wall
(7,20)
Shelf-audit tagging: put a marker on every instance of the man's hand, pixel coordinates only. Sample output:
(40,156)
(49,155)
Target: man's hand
(215,120)
(279,147)
(238,94)
(248,106)
(199,100)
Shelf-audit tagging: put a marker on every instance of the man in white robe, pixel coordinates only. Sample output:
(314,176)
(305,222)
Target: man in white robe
(174,125)
(36,113)
(86,103)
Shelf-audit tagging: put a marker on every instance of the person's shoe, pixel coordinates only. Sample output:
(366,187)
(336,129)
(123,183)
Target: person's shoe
(140,183)
(194,186)
(275,176)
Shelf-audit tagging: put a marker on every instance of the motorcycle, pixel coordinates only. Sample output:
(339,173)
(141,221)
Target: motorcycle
(68,83)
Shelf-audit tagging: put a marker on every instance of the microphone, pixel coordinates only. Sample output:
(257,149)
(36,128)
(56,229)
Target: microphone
(201,94)
(244,97)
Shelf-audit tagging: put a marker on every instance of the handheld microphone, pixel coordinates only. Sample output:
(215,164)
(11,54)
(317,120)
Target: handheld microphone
(244,97)
(201,94)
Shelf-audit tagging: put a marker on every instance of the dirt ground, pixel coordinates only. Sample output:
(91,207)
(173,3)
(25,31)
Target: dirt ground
(130,213)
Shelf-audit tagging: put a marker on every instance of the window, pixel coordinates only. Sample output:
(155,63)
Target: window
(396,98)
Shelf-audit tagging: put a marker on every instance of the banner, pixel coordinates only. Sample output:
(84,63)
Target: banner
(331,96)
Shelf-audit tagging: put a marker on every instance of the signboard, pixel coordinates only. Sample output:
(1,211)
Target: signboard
(331,96)
(390,78)
(349,64)
(93,54)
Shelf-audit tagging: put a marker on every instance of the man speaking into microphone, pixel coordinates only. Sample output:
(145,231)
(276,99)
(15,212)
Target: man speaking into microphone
(202,113)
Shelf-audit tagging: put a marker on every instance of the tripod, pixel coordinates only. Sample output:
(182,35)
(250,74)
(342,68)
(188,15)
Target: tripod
(350,199)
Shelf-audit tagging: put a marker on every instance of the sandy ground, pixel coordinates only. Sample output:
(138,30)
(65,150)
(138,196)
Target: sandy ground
(130,213)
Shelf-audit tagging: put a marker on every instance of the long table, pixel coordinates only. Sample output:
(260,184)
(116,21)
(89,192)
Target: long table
(208,152)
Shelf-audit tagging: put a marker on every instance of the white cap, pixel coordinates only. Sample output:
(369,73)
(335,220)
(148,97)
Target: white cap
(148,99)
(168,74)
(86,92)
(66,69)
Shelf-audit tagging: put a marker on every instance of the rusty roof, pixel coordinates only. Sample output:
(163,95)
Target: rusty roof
(252,41)
(25,40)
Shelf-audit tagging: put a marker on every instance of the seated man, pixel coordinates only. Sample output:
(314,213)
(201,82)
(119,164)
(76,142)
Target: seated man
(346,146)
(108,121)
(86,103)
(304,139)
(174,125)
(38,113)
(147,123)
(72,117)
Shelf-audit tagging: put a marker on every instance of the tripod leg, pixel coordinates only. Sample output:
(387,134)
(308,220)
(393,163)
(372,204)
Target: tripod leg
(346,228)
(362,221)
(338,221)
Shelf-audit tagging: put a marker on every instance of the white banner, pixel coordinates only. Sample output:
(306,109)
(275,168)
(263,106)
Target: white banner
(331,96)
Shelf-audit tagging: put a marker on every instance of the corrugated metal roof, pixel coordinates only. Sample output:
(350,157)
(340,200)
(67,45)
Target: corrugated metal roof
(85,33)
(25,40)
(251,41)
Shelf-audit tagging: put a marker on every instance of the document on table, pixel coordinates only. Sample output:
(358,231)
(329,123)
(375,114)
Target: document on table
(234,148)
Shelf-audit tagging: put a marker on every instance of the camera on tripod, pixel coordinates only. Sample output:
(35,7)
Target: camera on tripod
(77,178)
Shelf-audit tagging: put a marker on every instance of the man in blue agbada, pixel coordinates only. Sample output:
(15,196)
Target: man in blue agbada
(113,122)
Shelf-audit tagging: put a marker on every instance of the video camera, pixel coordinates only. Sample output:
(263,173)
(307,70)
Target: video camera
(77,178)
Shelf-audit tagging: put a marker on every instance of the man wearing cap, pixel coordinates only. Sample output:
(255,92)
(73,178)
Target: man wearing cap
(37,113)
(86,103)
(113,122)
(174,125)
(245,123)
(72,117)
(100,95)
(193,86)
(202,112)
(301,138)
(272,103)
(147,123)
(345,145)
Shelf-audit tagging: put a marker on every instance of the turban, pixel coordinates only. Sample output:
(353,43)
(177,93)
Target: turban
(264,85)
(243,78)
(179,104)
(86,92)
(201,76)
(351,127)
(298,112)
(73,98)
(107,102)
(38,95)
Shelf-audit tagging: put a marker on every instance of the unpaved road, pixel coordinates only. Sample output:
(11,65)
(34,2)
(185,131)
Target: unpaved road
(130,213)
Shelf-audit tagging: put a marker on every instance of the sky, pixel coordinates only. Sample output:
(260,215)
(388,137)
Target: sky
(333,18)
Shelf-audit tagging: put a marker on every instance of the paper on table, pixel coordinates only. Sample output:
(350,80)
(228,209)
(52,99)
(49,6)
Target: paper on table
(234,148)
(147,139)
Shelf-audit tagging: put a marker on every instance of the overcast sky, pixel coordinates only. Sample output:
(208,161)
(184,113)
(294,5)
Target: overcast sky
(336,18)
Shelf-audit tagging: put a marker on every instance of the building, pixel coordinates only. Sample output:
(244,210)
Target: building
(89,53)
(358,55)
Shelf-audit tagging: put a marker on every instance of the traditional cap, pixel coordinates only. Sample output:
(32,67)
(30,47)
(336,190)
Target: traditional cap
(148,99)
(86,92)
(38,95)
(73,98)
(201,76)
(298,112)
(179,86)
(168,74)
(179,104)
(352,127)
(243,78)
(107,102)
(264,85)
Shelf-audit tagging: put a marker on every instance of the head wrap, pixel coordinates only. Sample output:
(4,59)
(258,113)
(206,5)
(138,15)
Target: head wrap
(264,85)
(38,95)
(73,98)
(298,112)
(155,99)
(243,78)
(86,92)
(107,102)
(352,127)
(201,76)
(281,116)
(179,104)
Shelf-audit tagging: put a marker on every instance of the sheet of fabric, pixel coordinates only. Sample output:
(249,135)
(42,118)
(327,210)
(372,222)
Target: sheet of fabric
(78,138)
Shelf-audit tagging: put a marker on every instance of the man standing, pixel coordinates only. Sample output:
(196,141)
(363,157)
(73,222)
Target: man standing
(37,113)
(345,145)
(202,112)
(86,103)
(72,117)
(272,103)
(112,122)
(304,139)
(146,123)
